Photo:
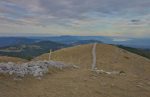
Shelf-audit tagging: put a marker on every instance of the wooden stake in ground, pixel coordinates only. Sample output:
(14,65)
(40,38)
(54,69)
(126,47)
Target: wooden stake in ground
(50,52)
(94,56)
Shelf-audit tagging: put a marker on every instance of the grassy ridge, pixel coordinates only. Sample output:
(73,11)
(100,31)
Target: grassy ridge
(29,51)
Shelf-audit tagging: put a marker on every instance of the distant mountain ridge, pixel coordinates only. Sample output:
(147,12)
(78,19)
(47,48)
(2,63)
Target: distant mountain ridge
(28,51)
(81,42)
(30,47)
(10,41)
(130,42)
(72,39)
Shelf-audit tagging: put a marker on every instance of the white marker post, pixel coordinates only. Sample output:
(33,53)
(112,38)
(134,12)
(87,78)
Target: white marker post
(50,52)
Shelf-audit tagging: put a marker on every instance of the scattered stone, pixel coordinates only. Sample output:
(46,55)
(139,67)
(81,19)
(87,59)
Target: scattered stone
(105,72)
(76,67)
(140,85)
(112,85)
(148,83)
(122,72)
(17,79)
(39,78)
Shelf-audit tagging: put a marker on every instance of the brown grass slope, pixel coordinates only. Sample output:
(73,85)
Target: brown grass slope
(83,82)
(12,59)
(108,58)
(78,55)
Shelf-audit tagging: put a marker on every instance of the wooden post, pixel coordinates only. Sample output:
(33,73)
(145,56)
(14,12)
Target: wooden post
(50,52)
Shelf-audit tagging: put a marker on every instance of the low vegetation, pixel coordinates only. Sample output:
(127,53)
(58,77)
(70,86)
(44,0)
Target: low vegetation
(141,52)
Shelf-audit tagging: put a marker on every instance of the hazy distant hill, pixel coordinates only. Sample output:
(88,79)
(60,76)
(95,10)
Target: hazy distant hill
(72,39)
(80,42)
(9,41)
(29,51)
(135,43)
(131,42)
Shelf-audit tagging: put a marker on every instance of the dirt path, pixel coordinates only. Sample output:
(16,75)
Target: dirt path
(94,56)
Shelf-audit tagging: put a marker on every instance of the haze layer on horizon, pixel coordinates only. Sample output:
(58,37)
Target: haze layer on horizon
(117,18)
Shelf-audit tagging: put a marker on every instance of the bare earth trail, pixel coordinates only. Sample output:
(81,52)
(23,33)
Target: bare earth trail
(94,56)
(83,82)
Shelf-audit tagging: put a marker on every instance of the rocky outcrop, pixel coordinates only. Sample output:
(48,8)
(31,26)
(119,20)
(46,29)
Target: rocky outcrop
(34,68)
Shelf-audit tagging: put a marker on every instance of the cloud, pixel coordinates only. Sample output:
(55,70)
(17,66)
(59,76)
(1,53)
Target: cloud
(86,17)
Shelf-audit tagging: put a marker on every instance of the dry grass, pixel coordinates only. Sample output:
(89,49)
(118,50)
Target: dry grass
(12,59)
(108,58)
(80,55)
(113,58)
(84,83)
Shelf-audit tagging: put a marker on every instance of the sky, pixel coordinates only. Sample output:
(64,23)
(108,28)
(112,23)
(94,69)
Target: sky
(115,18)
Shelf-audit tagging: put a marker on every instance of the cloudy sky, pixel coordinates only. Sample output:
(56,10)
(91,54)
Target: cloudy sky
(119,18)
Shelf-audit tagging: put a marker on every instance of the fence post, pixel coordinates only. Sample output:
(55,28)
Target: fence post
(50,52)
